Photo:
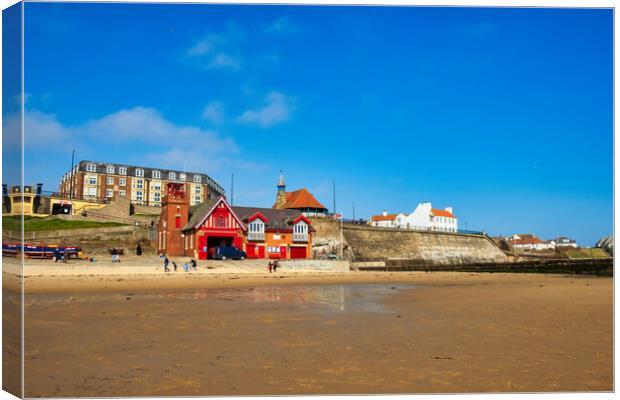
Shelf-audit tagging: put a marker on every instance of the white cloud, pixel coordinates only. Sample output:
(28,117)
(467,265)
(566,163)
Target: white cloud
(281,26)
(214,112)
(223,60)
(44,131)
(219,50)
(277,108)
(205,45)
(153,139)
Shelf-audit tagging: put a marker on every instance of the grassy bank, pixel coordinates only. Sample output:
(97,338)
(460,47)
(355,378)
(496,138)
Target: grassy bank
(12,223)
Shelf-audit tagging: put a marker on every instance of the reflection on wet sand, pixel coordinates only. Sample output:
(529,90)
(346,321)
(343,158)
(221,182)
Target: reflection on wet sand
(331,297)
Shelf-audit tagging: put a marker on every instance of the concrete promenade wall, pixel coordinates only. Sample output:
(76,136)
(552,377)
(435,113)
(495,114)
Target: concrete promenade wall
(315,265)
(365,243)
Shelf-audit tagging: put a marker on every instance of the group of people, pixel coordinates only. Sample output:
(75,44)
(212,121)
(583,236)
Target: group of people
(272,266)
(58,256)
(186,267)
(116,255)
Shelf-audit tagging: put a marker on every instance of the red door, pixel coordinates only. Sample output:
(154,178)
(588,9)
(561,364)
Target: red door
(282,251)
(298,252)
(202,247)
(261,251)
(250,250)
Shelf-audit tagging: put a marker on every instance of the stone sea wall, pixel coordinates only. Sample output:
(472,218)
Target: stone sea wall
(365,243)
(600,267)
(68,236)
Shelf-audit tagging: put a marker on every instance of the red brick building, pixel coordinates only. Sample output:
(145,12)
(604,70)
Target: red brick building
(260,232)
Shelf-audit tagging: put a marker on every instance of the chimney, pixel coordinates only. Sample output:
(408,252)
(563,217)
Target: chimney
(384,213)
(39,188)
(449,209)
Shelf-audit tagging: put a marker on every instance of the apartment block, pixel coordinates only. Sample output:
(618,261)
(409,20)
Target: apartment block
(142,185)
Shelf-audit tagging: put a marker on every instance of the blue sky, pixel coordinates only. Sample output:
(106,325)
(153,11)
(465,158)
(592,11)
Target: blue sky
(503,114)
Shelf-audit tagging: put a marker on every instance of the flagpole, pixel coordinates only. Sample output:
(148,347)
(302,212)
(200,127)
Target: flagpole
(341,239)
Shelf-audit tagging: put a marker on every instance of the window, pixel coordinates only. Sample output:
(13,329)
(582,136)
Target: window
(156,174)
(122,170)
(109,193)
(139,172)
(92,180)
(197,178)
(172,175)
(139,183)
(182,177)
(256,226)
(157,186)
(197,199)
(122,192)
(110,180)
(122,182)
(91,168)
(220,222)
(91,192)
(177,221)
(109,169)
(157,197)
(139,195)
(198,190)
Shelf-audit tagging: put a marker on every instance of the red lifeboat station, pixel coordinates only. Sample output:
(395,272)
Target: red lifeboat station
(260,232)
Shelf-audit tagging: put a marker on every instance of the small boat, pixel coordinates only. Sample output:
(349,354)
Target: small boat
(39,251)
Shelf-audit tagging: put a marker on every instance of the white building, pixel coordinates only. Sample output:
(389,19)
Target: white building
(424,217)
(563,241)
(384,220)
(528,241)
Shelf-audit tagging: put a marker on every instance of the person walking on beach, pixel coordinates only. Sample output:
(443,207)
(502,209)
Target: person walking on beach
(174,265)
(65,256)
(57,255)
(138,249)
(186,267)
(113,253)
(194,264)
(270,266)
(166,262)
(275,266)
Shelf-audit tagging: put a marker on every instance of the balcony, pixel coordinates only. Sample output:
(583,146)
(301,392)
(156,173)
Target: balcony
(300,237)
(256,236)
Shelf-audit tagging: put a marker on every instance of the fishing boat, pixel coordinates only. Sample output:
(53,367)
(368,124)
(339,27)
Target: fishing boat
(39,251)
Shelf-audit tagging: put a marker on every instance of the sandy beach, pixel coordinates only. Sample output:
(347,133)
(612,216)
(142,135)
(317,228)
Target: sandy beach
(233,332)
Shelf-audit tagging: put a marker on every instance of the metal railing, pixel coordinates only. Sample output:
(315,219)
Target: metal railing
(256,236)
(300,237)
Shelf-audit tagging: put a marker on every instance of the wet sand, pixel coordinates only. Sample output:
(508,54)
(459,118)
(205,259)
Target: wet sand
(319,334)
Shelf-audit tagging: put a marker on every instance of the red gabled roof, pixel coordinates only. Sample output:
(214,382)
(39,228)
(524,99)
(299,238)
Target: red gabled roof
(205,209)
(442,213)
(301,218)
(531,240)
(388,217)
(258,215)
(301,198)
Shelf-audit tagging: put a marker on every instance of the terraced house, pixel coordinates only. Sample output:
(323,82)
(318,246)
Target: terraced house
(142,185)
